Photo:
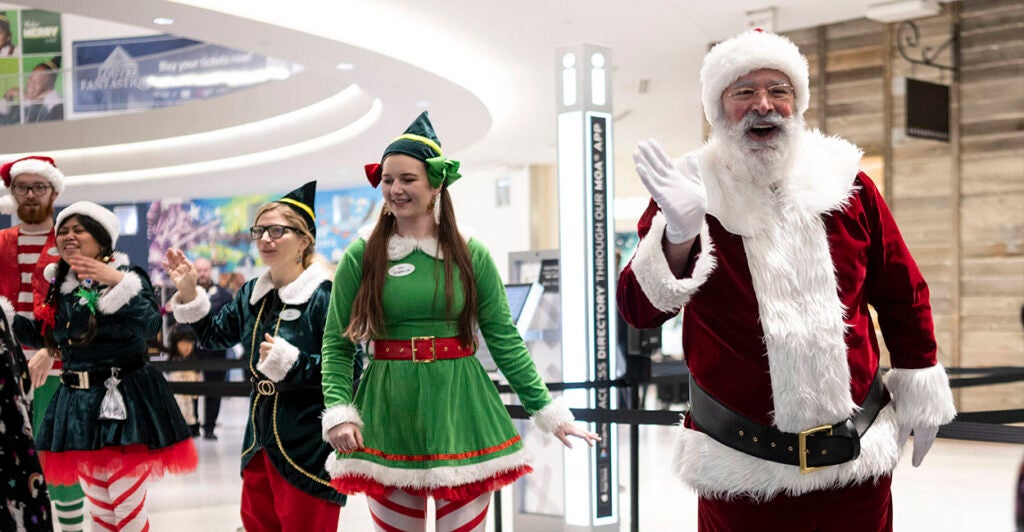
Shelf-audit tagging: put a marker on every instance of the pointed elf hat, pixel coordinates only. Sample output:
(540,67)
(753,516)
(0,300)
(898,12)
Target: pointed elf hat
(33,164)
(419,142)
(301,200)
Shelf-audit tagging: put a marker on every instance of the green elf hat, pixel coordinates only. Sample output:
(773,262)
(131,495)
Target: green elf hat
(419,142)
(301,201)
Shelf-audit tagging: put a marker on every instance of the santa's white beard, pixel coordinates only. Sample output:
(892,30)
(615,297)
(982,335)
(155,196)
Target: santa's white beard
(760,162)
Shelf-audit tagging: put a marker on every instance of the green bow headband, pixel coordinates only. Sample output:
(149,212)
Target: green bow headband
(441,170)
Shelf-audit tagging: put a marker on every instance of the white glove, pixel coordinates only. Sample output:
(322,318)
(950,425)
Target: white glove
(682,198)
(924,436)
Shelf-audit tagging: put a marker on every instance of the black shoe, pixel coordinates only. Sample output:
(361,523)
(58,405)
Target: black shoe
(210,436)
(194,429)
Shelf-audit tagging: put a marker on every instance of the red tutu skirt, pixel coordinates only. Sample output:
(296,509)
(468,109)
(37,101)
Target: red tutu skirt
(66,466)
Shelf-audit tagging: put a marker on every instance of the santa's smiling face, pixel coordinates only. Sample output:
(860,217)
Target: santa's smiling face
(760,103)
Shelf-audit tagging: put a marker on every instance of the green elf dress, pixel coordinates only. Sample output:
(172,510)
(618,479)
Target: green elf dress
(435,429)
(285,402)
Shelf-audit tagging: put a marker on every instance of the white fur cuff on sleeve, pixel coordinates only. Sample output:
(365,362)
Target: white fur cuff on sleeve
(652,272)
(921,397)
(552,416)
(338,414)
(192,311)
(120,294)
(279,360)
(8,309)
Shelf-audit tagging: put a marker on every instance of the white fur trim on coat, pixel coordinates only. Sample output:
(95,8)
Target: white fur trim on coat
(399,247)
(8,309)
(435,477)
(716,471)
(296,292)
(552,416)
(192,311)
(662,288)
(338,414)
(279,360)
(113,298)
(921,397)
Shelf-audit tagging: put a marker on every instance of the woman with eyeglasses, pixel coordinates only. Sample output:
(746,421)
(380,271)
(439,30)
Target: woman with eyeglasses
(279,319)
(112,424)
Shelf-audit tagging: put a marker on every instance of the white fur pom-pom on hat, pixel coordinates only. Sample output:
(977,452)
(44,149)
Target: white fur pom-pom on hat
(749,51)
(103,216)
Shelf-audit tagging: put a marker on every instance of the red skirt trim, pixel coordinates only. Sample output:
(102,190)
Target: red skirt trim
(431,457)
(352,484)
(132,460)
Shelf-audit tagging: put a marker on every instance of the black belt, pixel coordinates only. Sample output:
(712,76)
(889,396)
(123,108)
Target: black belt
(82,380)
(812,449)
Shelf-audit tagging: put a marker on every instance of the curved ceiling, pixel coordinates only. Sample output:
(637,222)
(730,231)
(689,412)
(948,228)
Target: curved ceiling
(485,69)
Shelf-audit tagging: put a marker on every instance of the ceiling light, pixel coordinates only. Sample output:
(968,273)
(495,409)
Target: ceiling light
(422,104)
(345,66)
(163,21)
(902,10)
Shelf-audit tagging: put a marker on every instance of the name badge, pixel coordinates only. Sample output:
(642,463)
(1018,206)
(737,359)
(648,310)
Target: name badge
(401,270)
(52,252)
(290,314)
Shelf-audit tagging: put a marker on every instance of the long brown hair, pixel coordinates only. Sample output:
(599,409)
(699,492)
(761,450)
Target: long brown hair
(367,319)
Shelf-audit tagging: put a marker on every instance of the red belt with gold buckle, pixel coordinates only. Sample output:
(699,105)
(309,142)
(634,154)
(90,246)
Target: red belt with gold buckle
(420,349)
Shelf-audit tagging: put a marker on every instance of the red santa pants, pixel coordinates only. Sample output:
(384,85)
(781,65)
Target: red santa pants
(863,507)
(270,503)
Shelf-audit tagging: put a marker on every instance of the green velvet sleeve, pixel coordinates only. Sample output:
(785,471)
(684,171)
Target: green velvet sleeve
(339,351)
(506,346)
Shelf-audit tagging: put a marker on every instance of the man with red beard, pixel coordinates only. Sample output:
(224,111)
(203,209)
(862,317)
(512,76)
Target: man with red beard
(774,244)
(32,185)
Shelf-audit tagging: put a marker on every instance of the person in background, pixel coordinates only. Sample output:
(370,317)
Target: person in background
(42,101)
(32,185)
(113,423)
(181,347)
(279,319)
(774,244)
(218,298)
(426,420)
(24,500)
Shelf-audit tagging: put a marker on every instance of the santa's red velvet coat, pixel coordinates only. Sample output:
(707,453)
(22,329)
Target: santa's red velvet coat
(775,315)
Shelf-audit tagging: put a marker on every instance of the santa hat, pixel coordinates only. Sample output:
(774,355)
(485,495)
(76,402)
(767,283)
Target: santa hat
(749,51)
(419,142)
(33,164)
(301,200)
(104,217)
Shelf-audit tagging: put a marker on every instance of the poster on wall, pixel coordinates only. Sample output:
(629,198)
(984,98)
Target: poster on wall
(40,32)
(162,70)
(10,37)
(218,228)
(10,90)
(42,89)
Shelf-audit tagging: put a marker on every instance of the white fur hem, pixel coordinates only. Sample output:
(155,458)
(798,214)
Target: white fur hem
(8,309)
(120,294)
(552,416)
(338,414)
(435,477)
(279,360)
(192,311)
(921,397)
(716,471)
(650,266)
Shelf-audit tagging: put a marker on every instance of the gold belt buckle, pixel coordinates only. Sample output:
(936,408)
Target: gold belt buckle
(265,387)
(83,380)
(433,349)
(802,438)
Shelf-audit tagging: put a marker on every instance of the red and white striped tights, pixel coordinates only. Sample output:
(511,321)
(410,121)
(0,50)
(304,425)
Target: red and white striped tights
(118,501)
(404,512)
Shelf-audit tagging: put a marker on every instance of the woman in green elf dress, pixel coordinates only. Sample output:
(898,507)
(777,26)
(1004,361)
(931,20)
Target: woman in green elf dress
(113,424)
(279,318)
(426,420)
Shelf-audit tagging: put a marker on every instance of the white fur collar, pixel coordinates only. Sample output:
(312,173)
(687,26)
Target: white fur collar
(294,293)
(71,282)
(821,180)
(400,247)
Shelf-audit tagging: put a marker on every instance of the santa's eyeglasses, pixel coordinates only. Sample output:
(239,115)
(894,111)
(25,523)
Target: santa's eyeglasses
(38,189)
(777,93)
(275,231)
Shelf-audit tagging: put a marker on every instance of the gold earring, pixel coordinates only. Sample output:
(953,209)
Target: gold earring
(385,210)
(430,207)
